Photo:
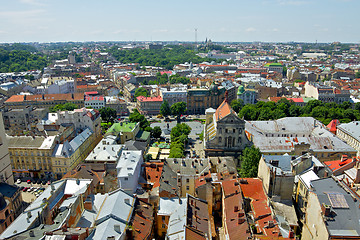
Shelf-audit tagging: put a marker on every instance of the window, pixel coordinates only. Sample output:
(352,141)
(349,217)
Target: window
(187,188)
(234,130)
(187,180)
(163,226)
(226,131)
(126,179)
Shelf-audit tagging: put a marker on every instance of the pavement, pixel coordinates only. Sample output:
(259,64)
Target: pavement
(29,197)
(196,127)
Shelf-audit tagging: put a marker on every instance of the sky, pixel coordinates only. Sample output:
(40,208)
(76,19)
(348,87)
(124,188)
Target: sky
(167,20)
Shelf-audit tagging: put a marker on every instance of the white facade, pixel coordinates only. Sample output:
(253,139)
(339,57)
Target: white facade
(174,95)
(95,102)
(128,170)
(62,86)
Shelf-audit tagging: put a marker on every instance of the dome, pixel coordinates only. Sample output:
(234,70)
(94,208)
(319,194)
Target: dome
(241,90)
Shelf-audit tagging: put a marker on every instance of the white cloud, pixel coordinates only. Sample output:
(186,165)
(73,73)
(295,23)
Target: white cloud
(250,29)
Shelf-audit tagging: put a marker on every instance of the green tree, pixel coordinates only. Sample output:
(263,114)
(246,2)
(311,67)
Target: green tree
(357,74)
(249,161)
(148,157)
(156,132)
(141,92)
(136,117)
(165,108)
(108,114)
(237,105)
(69,106)
(177,109)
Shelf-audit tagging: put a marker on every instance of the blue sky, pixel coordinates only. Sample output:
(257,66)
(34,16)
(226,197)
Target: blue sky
(118,20)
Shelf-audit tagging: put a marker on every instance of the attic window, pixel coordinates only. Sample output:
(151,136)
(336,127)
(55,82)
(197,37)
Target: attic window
(325,147)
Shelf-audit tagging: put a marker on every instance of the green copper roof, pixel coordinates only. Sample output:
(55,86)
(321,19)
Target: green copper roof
(241,90)
(124,127)
(273,65)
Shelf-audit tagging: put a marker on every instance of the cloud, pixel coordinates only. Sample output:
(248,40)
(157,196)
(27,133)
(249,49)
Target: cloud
(32,2)
(292,2)
(250,29)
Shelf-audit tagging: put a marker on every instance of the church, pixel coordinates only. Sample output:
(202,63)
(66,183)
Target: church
(224,132)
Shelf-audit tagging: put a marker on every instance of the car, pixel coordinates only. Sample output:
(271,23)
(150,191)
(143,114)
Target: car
(30,189)
(21,188)
(43,182)
(18,181)
(38,181)
(25,189)
(42,189)
(28,181)
(49,182)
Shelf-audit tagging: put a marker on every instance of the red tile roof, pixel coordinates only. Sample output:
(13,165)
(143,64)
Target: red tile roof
(253,189)
(332,126)
(153,172)
(337,164)
(149,99)
(142,221)
(223,110)
(16,98)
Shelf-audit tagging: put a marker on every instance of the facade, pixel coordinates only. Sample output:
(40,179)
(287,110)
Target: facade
(44,100)
(274,67)
(174,95)
(149,105)
(325,93)
(118,104)
(350,133)
(10,204)
(95,102)
(107,151)
(18,120)
(224,131)
(198,99)
(82,118)
(248,96)
(6,174)
(128,170)
(31,156)
(61,86)
(69,154)
(123,131)
(129,92)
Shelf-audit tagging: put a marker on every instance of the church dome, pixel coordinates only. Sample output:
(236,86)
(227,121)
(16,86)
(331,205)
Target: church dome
(241,90)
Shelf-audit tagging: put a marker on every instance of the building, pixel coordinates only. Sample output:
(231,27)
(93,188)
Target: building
(169,207)
(199,99)
(149,105)
(174,94)
(274,67)
(331,208)
(296,136)
(10,204)
(125,131)
(118,104)
(129,92)
(224,132)
(128,170)
(107,214)
(325,93)
(95,102)
(18,120)
(44,100)
(82,118)
(66,156)
(257,207)
(60,203)
(248,95)
(6,174)
(31,156)
(187,171)
(350,133)
(106,151)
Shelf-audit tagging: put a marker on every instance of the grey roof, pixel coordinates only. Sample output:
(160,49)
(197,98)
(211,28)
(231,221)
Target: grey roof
(168,206)
(135,145)
(128,163)
(346,221)
(8,190)
(188,166)
(67,149)
(284,163)
(25,141)
(223,164)
(168,181)
(110,215)
(177,222)
(60,188)
(351,128)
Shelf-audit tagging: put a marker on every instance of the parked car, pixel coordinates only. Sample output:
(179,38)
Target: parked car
(38,181)
(18,181)
(28,181)
(42,189)
(25,189)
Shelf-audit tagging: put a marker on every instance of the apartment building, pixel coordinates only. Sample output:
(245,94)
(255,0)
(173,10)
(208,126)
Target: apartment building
(6,174)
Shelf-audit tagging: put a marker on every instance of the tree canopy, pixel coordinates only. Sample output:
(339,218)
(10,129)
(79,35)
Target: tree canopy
(64,107)
(249,161)
(324,112)
(141,92)
(108,114)
(179,137)
(135,117)
(179,108)
(165,108)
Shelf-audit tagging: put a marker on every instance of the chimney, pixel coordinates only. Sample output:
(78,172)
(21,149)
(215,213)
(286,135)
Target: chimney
(31,233)
(29,214)
(127,201)
(326,210)
(78,181)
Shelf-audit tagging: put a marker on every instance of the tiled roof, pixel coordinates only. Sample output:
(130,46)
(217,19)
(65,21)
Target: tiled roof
(153,172)
(223,110)
(332,125)
(142,221)
(149,99)
(337,164)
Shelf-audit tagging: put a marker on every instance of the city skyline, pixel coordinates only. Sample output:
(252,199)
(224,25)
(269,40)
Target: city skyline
(233,21)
